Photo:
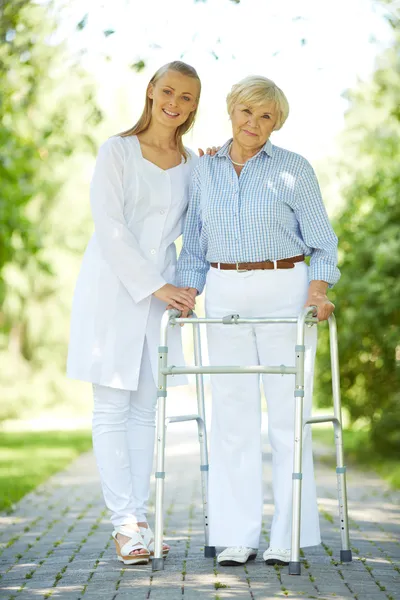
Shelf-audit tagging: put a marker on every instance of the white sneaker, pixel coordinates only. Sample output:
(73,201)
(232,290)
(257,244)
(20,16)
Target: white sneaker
(236,555)
(276,556)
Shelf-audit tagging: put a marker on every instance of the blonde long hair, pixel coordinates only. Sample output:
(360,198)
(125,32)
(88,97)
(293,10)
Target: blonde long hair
(145,119)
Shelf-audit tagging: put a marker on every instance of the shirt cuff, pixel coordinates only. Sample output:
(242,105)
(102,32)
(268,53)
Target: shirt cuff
(322,271)
(192,279)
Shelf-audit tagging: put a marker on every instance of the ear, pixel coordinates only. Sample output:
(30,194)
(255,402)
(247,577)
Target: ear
(150,91)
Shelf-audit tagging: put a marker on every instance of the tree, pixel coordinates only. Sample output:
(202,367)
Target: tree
(368,226)
(44,119)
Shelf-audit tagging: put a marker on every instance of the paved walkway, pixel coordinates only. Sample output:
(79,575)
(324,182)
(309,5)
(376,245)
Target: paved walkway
(57,543)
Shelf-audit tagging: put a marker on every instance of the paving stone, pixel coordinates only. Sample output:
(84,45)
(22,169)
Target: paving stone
(60,536)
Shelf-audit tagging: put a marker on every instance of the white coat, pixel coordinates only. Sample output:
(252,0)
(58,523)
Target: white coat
(138,212)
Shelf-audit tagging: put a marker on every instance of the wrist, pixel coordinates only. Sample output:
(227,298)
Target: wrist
(317,289)
(316,295)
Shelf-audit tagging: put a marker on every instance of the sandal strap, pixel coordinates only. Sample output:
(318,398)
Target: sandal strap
(135,543)
(148,536)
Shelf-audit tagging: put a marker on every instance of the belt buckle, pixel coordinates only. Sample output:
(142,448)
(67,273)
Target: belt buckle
(241,270)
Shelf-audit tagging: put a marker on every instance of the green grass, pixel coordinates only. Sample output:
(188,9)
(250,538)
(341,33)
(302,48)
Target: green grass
(29,458)
(358,451)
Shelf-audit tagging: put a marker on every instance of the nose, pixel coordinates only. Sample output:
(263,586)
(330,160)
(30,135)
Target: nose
(252,121)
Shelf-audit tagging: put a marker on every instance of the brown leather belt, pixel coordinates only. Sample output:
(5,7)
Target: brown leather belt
(284,263)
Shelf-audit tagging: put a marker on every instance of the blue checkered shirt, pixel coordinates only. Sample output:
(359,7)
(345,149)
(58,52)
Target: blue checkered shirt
(274,210)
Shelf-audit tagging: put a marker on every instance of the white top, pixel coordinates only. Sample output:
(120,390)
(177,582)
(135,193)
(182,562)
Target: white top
(138,211)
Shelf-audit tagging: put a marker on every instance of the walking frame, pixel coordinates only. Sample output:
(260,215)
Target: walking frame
(306,317)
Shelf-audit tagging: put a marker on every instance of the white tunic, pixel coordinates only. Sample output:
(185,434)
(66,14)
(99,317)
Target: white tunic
(138,212)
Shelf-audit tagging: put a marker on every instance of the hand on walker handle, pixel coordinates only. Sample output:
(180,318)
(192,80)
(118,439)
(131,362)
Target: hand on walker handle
(187,312)
(317,297)
(323,305)
(175,297)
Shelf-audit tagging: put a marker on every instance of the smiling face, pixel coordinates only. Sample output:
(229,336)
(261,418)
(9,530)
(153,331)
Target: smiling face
(252,125)
(174,97)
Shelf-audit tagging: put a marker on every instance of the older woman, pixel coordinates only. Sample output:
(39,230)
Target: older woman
(255,212)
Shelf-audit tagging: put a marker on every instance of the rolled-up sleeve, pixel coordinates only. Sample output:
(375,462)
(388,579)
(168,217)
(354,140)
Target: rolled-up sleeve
(316,230)
(118,245)
(192,264)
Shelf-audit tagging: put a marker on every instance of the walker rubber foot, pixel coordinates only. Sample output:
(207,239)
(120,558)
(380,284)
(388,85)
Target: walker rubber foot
(294,568)
(209,551)
(157,564)
(346,556)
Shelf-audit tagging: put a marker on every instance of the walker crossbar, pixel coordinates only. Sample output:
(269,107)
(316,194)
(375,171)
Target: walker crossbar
(236,320)
(306,317)
(282,370)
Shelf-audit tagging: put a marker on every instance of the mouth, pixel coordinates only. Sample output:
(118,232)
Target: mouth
(249,133)
(170,114)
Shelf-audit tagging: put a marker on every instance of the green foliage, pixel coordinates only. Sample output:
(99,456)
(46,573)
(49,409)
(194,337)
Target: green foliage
(29,458)
(359,451)
(138,66)
(368,227)
(46,120)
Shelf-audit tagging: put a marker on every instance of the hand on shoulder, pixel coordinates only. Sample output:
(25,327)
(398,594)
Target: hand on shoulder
(210,151)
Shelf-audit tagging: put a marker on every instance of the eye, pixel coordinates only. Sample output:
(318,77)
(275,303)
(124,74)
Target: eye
(186,98)
(266,117)
(167,91)
(246,110)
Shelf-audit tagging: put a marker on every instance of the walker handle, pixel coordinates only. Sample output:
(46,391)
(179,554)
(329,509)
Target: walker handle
(315,310)
(314,315)
(175,313)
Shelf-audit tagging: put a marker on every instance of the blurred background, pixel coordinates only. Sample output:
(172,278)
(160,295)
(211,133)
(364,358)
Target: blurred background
(74,72)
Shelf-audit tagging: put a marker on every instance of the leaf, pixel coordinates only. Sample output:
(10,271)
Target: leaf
(108,32)
(82,23)
(138,66)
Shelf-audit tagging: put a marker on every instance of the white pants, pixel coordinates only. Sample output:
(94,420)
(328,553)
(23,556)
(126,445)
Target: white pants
(123,441)
(236,500)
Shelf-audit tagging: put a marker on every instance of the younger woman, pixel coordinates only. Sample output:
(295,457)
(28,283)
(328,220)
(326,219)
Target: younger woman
(138,198)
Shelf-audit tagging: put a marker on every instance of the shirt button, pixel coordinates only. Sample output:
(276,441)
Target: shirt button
(152,251)
(162,212)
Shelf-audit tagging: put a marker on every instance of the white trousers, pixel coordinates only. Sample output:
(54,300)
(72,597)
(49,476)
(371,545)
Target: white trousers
(123,442)
(236,496)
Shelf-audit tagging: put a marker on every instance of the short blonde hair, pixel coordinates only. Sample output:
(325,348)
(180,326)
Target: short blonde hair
(256,90)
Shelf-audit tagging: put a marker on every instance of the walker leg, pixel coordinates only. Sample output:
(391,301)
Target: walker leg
(294,564)
(209,551)
(294,568)
(345,553)
(157,564)
(158,561)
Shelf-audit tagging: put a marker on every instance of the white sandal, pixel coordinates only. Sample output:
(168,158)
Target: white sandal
(148,538)
(134,543)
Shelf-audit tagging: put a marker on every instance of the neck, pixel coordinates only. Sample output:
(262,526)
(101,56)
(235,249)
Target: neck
(159,136)
(240,154)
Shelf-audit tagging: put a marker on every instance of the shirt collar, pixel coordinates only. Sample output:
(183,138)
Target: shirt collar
(224,151)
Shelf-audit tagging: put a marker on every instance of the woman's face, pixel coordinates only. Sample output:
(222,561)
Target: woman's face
(174,97)
(252,125)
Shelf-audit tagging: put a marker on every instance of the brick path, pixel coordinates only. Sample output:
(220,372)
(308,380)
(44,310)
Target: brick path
(57,543)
